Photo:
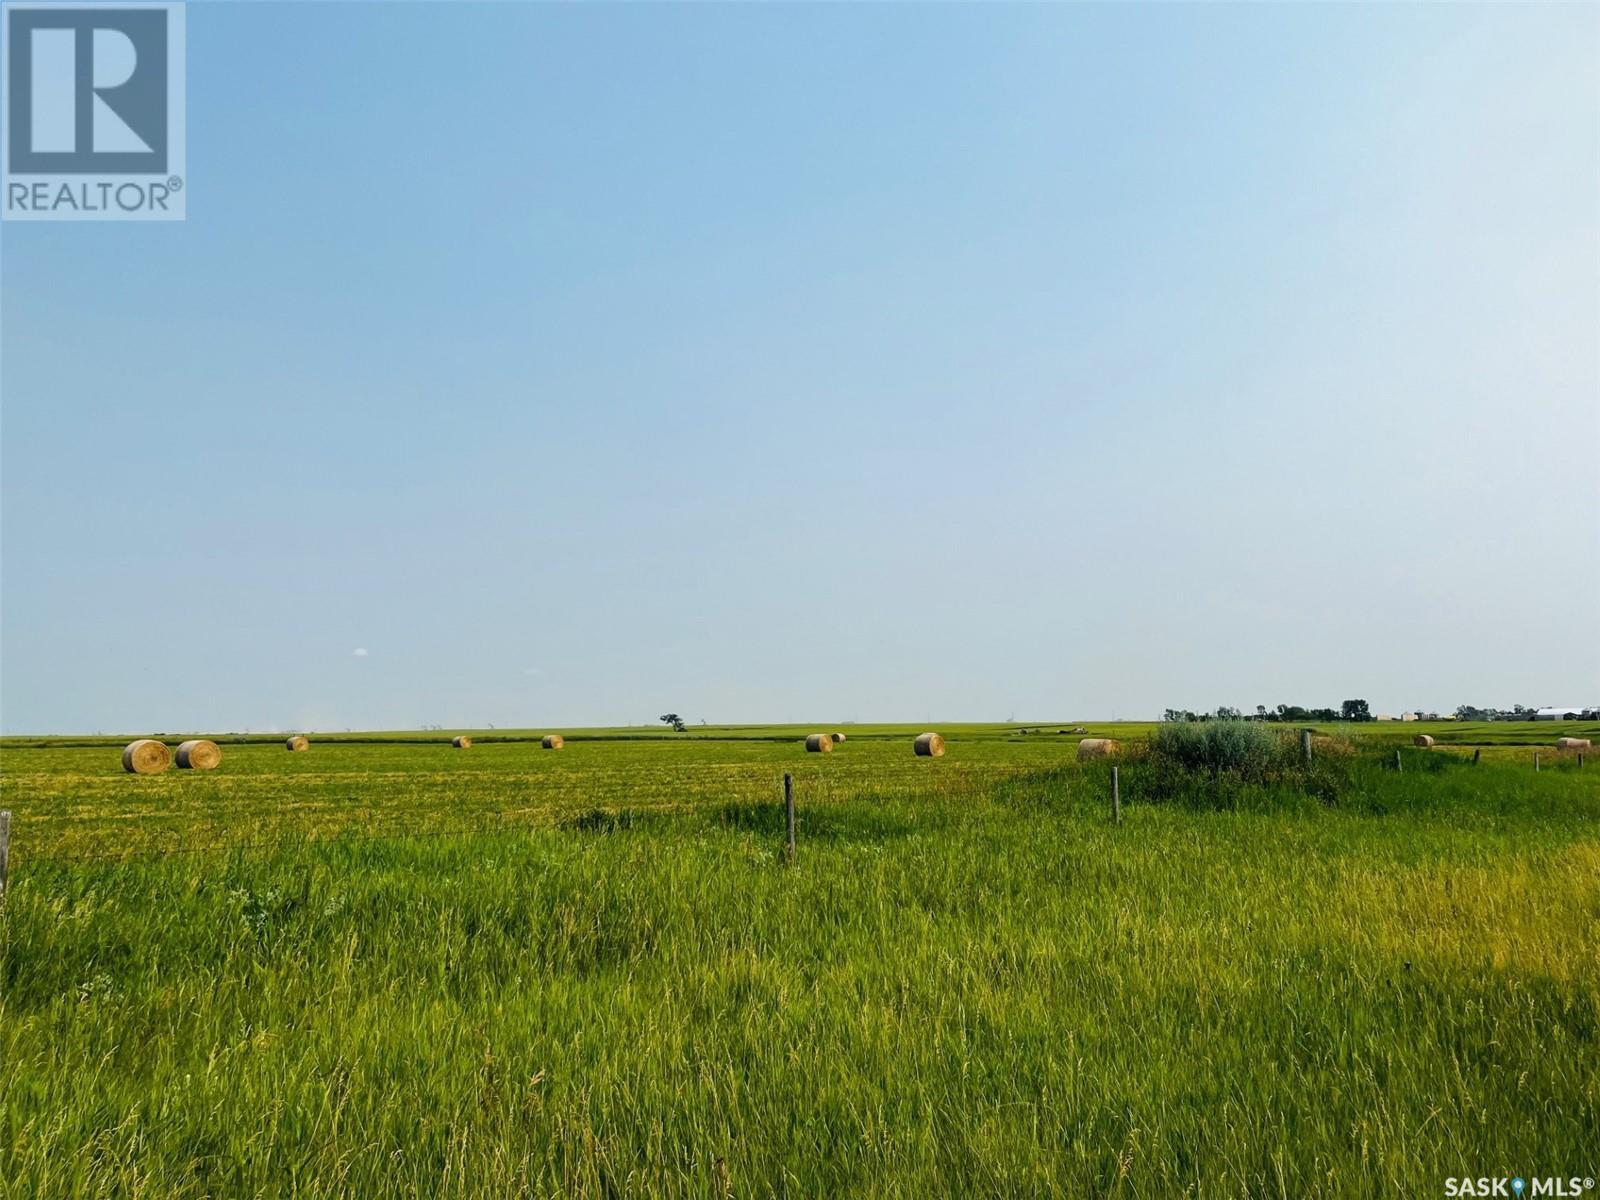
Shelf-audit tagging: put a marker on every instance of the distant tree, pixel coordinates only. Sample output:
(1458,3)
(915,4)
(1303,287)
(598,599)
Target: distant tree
(675,721)
(1224,713)
(1471,712)
(1355,710)
(1261,713)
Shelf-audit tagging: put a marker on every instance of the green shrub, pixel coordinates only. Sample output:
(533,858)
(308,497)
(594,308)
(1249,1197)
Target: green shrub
(1236,764)
(1245,748)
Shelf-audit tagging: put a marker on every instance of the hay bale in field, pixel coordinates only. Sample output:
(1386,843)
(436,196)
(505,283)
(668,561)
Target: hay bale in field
(1326,746)
(1422,739)
(297,743)
(838,737)
(1091,748)
(819,743)
(461,742)
(197,754)
(1572,743)
(552,741)
(146,756)
(929,745)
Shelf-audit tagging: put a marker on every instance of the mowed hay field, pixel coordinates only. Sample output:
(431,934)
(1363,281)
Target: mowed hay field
(391,968)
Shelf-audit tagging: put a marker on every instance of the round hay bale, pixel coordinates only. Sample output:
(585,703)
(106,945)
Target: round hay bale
(1422,739)
(461,742)
(297,743)
(1091,748)
(552,741)
(146,757)
(1327,746)
(197,754)
(929,745)
(839,737)
(819,743)
(1572,743)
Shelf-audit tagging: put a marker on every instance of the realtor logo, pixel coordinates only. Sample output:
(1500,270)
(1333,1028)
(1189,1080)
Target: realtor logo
(93,122)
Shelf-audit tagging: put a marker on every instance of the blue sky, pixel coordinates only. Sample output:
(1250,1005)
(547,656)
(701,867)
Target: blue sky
(820,363)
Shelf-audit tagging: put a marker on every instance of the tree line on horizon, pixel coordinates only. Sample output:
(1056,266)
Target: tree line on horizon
(1351,711)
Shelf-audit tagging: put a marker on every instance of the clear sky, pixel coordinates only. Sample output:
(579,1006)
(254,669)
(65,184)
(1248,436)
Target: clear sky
(567,365)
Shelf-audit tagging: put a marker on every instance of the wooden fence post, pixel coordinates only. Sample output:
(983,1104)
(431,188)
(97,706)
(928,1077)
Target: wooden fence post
(788,811)
(1305,746)
(1397,765)
(1535,760)
(1476,755)
(1116,797)
(5,852)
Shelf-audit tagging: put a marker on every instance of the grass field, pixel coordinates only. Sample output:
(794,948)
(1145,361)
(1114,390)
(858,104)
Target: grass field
(387,968)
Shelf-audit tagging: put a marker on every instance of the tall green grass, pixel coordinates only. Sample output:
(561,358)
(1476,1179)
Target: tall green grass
(969,982)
